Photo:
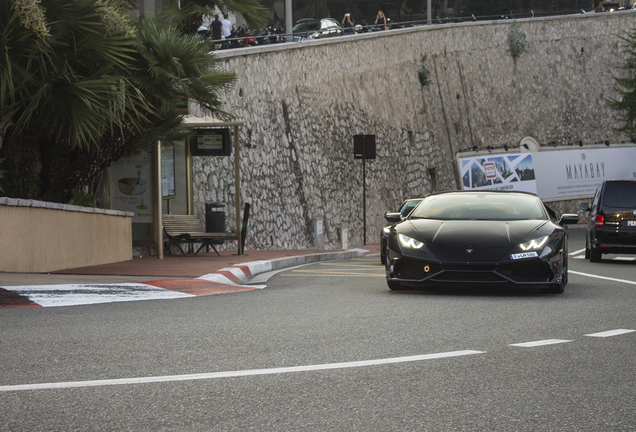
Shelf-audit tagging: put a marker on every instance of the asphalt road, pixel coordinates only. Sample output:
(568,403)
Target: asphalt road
(329,347)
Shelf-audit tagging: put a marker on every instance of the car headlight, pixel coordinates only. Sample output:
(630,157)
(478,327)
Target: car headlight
(534,244)
(386,230)
(409,242)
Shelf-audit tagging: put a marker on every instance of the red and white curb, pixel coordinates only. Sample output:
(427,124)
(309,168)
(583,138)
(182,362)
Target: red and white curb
(224,281)
(228,280)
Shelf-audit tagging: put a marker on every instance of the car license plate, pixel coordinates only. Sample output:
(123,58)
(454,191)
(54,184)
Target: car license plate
(631,223)
(524,255)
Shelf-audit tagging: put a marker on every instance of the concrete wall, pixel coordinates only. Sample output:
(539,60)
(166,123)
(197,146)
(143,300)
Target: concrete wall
(302,103)
(42,237)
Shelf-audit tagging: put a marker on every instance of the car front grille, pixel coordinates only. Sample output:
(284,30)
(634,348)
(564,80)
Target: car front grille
(532,271)
(527,271)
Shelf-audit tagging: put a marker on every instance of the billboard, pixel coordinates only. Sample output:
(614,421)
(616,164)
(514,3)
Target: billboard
(558,174)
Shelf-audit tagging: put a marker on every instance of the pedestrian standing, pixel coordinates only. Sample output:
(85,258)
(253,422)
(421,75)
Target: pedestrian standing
(347,24)
(217,31)
(227,31)
(380,20)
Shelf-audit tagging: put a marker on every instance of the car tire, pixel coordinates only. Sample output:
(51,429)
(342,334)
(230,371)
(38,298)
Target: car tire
(559,288)
(595,255)
(383,259)
(587,248)
(394,285)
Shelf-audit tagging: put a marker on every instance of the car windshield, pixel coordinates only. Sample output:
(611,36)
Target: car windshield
(476,206)
(620,194)
(407,207)
(307,25)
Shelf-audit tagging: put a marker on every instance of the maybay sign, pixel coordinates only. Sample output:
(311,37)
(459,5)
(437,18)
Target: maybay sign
(553,175)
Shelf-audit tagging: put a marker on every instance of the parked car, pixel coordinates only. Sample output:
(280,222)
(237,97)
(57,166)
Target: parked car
(404,210)
(612,224)
(479,238)
(309,29)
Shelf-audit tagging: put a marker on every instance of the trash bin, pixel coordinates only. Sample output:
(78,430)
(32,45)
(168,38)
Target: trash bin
(215,217)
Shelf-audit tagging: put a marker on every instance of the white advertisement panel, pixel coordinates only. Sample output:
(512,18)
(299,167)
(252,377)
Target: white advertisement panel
(550,174)
(131,187)
(511,171)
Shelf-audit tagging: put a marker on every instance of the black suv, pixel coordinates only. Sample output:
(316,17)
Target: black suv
(612,224)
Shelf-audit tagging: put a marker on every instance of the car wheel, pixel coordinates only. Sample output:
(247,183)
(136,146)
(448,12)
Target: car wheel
(595,255)
(559,288)
(587,248)
(394,285)
(383,259)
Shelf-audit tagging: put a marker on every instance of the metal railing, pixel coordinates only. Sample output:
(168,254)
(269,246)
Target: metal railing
(270,36)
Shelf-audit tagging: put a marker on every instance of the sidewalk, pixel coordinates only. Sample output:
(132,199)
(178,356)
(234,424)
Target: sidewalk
(148,277)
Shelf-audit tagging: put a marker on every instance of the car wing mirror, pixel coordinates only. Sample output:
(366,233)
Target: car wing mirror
(569,219)
(584,207)
(393,217)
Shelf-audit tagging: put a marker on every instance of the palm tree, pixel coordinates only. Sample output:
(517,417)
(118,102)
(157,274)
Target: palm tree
(60,66)
(81,87)
(188,14)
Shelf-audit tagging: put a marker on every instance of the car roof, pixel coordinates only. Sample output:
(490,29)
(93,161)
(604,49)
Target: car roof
(484,191)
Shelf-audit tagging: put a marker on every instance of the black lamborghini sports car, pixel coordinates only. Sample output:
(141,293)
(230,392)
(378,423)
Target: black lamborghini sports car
(466,238)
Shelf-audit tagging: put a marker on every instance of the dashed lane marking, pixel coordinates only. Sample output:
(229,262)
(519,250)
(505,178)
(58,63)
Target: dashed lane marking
(541,343)
(610,333)
(234,374)
(283,370)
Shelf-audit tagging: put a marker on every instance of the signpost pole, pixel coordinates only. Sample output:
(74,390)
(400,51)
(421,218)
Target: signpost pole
(364,200)
(364,148)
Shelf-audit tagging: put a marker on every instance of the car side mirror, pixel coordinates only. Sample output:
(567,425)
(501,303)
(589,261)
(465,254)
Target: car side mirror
(393,217)
(569,219)
(584,207)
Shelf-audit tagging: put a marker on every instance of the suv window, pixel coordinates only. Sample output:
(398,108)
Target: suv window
(620,194)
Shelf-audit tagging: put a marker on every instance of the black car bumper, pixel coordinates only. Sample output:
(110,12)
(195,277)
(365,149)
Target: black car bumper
(617,241)
(530,273)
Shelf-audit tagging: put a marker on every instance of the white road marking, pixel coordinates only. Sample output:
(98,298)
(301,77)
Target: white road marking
(601,277)
(234,374)
(82,294)
(623,259)
(577,252)
(540,343)
(610,333)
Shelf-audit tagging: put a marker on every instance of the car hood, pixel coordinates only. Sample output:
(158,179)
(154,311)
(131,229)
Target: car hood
(486,240)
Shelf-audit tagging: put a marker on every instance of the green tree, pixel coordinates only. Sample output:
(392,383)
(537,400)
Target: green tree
(188,15)
(81,87)
(58,58)
(626,88)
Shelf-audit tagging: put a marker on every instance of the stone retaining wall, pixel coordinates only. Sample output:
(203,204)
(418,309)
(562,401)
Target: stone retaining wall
(302,103)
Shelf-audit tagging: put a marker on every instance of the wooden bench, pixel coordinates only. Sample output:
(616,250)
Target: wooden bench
(188,229)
